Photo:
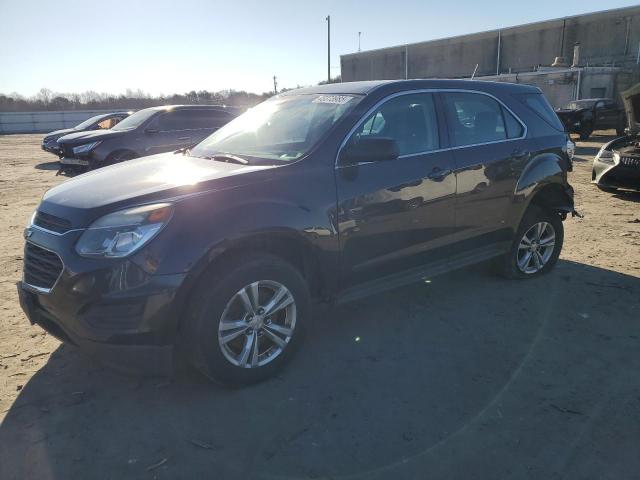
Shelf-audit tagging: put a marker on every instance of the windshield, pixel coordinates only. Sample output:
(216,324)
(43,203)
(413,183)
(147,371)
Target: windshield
(283,128)
(578,104)
(135,120)
(87,123)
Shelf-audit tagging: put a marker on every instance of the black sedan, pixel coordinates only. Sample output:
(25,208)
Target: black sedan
(146,132)
(617,164)
(98,122)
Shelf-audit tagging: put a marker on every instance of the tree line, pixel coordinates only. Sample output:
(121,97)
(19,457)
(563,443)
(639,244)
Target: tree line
(46,99)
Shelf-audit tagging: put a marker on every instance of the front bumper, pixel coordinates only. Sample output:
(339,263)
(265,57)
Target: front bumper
(136,358)
(55,149)
(114,310)
(615,175)
(74,161)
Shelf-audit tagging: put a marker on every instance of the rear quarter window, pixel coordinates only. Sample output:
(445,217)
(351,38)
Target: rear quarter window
(541,107)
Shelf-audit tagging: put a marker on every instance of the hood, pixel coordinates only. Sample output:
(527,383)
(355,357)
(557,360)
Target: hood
(157,177)
(78,138)
(59,133)
(631,100)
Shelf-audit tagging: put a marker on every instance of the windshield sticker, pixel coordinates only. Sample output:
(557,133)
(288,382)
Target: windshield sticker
(335,99)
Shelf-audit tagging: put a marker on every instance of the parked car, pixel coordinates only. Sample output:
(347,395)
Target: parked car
(617,164)
(146,132)
(331,193)
(585,116)
(98,122)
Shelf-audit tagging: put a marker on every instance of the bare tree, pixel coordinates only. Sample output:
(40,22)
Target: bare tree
(44,95)
(132,99)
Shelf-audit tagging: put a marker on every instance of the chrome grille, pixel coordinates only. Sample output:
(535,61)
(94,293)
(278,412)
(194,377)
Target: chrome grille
(630,161)
(51,222)
(41,267)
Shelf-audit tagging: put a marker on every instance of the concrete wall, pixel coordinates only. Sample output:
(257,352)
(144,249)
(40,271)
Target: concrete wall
(43,122)
(610,37)
(560,86)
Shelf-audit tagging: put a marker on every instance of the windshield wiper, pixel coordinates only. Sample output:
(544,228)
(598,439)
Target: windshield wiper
(228,158)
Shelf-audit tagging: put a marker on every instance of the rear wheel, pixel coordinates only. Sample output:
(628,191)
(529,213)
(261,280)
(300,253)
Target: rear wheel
(536,246)
(585,131)
(247,320)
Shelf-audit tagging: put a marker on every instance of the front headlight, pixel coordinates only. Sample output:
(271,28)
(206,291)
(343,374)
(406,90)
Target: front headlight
(571,149)
(605,156)
(121,233)
(87,147)
(32,218)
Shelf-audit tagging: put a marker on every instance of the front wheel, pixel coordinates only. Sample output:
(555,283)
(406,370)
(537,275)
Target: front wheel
(536,246)
(247,319)
(608,189)
(118,157)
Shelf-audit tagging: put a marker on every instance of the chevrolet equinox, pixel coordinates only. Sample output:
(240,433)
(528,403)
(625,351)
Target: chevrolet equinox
(325,193)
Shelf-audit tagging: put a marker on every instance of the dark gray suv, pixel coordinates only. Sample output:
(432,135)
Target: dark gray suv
(146,132)
(327,193)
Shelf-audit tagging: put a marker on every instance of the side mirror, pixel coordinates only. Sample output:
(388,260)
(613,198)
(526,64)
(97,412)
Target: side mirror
(370,149)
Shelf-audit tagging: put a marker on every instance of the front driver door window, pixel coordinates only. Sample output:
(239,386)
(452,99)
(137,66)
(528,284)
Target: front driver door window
(394,215)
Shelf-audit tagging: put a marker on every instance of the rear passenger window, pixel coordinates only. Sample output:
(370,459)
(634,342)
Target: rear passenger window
(409,119)
(177,120)
(209,119)
(474,118)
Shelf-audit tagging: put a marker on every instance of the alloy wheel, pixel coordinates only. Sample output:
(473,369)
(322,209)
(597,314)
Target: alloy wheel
(536,248)
(257,324)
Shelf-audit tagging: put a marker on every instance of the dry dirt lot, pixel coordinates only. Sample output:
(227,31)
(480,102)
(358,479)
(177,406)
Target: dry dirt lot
(469,376)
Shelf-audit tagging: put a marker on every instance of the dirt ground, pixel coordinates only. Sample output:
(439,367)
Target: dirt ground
(468,376)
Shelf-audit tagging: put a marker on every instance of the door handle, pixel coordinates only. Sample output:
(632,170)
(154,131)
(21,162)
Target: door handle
(437,174)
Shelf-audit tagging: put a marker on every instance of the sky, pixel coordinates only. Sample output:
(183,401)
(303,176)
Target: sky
(165,47)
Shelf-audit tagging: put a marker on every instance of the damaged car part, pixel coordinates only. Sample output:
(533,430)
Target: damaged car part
(617,164)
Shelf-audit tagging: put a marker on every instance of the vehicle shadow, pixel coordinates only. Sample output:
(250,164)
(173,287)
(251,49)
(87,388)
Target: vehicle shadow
(629,196)
(465,375)
(48,166)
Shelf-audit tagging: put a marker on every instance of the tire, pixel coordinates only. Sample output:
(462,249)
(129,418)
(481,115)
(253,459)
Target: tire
(118,157)
(608,189)
(585,132)
(218,299)
(508,265)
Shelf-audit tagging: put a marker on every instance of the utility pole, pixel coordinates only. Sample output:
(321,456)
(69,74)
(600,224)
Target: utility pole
(359,34)
(275,85)
(328,48)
